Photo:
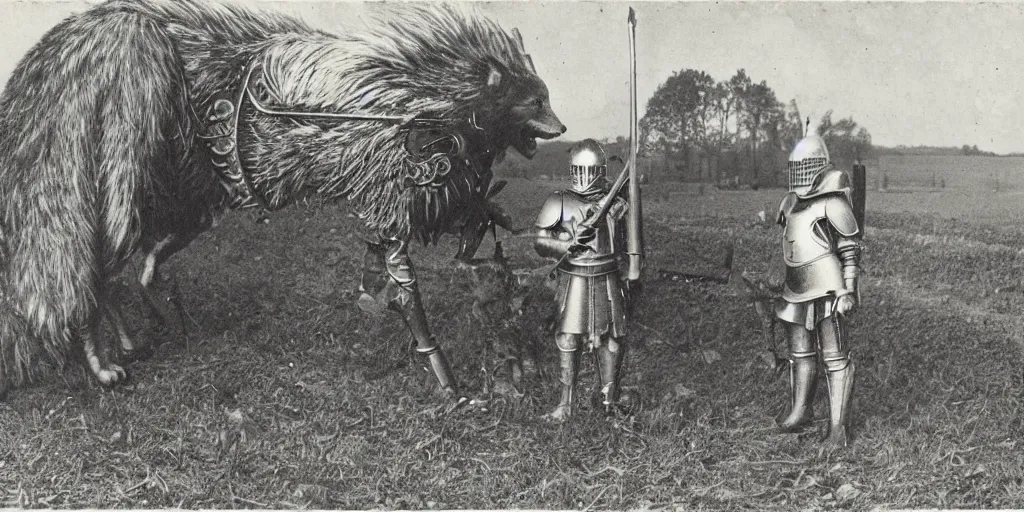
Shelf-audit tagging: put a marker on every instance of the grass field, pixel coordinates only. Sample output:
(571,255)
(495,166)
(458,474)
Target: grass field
(965,173)
(286,395)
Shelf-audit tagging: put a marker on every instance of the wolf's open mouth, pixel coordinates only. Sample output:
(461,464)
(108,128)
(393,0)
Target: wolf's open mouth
(527,143)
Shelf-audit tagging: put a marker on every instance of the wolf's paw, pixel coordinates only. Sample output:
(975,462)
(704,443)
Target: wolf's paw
(111,375)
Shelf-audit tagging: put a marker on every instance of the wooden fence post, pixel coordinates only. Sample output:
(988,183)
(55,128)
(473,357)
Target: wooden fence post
(860,188)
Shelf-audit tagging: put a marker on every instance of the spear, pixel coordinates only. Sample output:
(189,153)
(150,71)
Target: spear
(634,221)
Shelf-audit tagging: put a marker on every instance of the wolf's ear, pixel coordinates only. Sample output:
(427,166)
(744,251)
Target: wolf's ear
(493,77)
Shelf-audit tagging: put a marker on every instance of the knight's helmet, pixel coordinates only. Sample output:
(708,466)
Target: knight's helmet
(587,164)
(808,159)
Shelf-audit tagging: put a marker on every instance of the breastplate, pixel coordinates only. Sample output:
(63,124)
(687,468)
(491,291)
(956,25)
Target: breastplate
(601,249)
(805,240)
(812,268)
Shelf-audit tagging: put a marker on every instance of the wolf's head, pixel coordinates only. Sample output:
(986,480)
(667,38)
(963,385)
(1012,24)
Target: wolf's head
(458,64)
(524,114)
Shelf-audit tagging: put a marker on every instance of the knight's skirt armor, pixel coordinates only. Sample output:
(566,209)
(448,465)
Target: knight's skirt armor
(591,299)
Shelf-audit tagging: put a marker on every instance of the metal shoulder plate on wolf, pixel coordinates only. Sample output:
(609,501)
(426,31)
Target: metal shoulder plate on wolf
(551,213)
(840,214)
(220,134)
(435,148)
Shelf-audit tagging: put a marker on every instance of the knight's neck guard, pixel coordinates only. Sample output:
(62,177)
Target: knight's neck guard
(830,181)
(596,189)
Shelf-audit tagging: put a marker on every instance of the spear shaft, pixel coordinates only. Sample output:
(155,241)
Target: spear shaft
(634,219)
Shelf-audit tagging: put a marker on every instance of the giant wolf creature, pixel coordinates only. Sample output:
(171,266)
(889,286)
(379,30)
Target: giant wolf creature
(131,126)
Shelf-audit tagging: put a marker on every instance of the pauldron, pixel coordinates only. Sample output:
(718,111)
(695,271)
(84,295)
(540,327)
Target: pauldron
(221,139)
(434,150)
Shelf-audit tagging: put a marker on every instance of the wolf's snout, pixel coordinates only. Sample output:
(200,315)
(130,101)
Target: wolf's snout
(548,130)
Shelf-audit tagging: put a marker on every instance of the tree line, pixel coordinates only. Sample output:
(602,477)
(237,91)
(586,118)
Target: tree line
(734,131)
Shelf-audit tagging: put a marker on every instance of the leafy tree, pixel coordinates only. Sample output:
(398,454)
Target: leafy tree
(847,142)
(692,118)
(759,103)
(725,105)
(678,112)
(792,128)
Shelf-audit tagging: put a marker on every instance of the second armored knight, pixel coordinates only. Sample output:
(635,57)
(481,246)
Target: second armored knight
(821,250)
(591,298)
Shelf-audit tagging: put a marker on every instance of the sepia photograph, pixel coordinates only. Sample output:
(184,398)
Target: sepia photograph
(493,255)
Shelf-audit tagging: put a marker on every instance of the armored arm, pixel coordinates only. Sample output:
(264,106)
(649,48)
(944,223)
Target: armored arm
(552,244)
(841,218)
(551,241)
(849,254)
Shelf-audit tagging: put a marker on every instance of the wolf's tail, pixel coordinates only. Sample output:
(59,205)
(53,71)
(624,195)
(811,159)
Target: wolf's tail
(21,350)
(89,135)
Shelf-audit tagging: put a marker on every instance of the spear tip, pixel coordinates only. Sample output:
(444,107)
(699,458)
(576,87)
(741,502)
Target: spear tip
(632,16)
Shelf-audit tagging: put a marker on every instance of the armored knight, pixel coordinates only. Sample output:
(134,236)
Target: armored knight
(821,252)
(591,298)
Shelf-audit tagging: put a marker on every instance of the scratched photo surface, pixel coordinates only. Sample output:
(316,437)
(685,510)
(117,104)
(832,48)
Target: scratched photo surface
(260,254)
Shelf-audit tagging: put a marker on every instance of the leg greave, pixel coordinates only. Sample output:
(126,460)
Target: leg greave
(609,362)
(568,370)
(803,380)
(839,379)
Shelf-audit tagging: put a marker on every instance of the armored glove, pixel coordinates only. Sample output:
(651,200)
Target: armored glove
(584,235)
(845,303)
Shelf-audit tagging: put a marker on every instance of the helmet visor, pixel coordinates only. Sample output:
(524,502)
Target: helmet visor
(583,176)
(802,173)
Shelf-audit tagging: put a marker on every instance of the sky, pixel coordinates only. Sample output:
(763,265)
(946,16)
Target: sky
(912,73)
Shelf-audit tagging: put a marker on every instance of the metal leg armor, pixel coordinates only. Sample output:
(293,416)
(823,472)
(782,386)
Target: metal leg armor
(402,295)
(609,364)
(569,361)
(839,377)
(803,379)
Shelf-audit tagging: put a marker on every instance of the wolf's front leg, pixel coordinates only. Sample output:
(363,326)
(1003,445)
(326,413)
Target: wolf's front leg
(130,351)
(98,352)
(164,303)
(397,288)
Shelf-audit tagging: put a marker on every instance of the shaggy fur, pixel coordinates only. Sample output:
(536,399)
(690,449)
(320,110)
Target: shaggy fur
(99,155)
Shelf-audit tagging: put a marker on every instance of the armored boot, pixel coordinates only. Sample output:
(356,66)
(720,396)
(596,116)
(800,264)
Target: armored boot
(568,364)
(840,393)
(839,378)
(803,380)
